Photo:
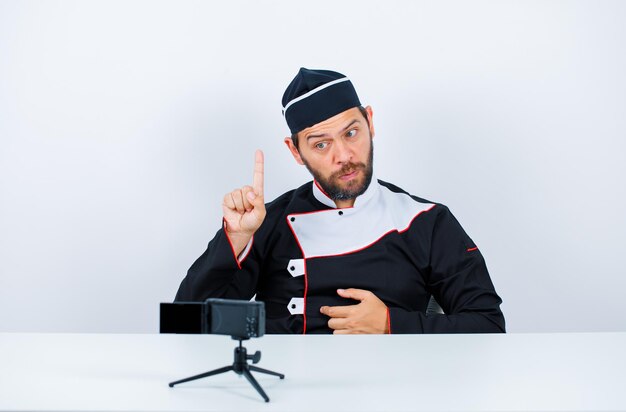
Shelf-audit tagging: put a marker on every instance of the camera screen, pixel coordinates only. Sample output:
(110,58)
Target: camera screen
(182,317)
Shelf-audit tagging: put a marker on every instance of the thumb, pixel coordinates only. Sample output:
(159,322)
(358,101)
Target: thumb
(356,294)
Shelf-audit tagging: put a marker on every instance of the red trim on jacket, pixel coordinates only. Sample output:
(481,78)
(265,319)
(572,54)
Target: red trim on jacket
(306,278)
(239,260)
(232,248)
(248,251)
(361,248)
(388,322)
(321,190)
(471,249)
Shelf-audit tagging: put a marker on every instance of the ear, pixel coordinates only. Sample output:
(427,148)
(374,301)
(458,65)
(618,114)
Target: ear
(294,150)
(370,119)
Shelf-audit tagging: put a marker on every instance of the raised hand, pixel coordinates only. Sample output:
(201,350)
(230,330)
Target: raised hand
(244,208)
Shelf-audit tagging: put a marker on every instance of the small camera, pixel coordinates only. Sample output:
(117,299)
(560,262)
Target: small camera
(241,319)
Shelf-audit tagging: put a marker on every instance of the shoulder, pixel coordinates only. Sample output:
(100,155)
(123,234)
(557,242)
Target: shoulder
(392,191)
(429,212)
(396,190)
(429,216)
(286,200)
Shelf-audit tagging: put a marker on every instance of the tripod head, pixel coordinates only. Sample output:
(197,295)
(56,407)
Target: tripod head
(241,353)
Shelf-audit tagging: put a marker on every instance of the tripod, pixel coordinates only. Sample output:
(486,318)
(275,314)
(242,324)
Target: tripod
(240,367)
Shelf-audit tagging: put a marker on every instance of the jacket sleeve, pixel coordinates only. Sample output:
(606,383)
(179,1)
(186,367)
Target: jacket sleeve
(459,281)
(218,273)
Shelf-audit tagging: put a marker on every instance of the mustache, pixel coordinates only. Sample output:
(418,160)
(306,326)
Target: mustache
(348,168)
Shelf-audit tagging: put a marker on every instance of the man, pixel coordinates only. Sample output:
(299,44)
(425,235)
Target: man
(345,253)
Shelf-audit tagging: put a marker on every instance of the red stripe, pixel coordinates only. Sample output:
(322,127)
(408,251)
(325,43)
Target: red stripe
(231,245)
(361,248)
(388,321)
(306,277)
(249,249)
(472,249)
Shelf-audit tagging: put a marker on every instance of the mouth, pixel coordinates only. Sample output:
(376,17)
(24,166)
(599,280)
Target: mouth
(349,176)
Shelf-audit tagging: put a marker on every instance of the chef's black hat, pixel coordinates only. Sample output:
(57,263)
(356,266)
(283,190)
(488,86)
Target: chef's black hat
(316,95)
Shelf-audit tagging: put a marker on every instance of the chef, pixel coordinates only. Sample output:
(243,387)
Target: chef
(345,253)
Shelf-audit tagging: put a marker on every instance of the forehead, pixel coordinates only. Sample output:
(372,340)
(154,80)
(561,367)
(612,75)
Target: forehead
(335,123)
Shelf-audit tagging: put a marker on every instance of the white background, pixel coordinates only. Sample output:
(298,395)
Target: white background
(122,124)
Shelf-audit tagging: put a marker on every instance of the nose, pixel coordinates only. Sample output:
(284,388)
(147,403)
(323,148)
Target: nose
(343,152)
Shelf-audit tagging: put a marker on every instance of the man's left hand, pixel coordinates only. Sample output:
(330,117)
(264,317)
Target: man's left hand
(369,316)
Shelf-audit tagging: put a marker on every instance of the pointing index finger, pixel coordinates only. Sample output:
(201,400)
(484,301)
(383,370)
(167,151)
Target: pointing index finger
(257,180)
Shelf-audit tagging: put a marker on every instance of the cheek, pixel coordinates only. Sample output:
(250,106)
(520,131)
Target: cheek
(364,149)
(323,165)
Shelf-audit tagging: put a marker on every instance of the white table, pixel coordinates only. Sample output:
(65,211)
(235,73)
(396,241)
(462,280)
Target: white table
(576,371)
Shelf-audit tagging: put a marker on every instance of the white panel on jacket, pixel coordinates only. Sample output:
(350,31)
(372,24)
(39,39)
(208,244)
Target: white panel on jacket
(376,213)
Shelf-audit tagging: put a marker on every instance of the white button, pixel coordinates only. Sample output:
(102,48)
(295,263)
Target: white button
(296,306)
(296,267)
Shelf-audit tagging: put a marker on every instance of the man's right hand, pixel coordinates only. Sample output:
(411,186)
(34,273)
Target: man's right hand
(244,209)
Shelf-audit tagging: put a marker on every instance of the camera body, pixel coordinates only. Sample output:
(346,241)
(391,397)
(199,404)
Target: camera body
(241,319)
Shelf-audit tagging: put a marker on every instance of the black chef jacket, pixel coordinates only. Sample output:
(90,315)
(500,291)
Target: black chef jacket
(400,247)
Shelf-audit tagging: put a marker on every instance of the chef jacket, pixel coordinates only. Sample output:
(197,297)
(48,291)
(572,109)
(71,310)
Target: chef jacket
(401,247)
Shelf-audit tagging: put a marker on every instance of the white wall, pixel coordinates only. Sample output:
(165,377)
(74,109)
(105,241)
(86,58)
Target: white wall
(123,123)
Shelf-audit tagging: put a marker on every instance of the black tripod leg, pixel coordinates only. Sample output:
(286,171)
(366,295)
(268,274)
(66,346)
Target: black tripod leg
(254,383)
(203,375)
(261,370)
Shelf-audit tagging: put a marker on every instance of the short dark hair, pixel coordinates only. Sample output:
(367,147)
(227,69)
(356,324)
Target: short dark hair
(294,137)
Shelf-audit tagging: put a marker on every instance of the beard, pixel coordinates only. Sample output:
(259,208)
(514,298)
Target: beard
(331,185)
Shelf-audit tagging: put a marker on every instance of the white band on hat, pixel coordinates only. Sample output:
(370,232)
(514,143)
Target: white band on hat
(312,92)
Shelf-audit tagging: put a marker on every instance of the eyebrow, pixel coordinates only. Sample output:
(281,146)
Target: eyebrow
(326,134)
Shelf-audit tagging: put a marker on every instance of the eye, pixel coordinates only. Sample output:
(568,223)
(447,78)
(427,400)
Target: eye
(351,133)
(321,145)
